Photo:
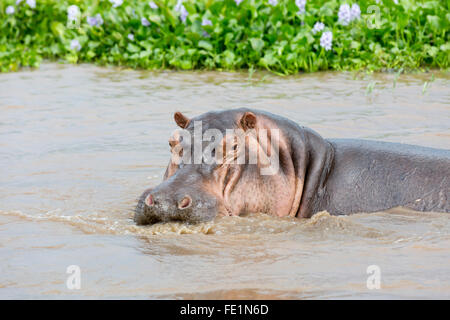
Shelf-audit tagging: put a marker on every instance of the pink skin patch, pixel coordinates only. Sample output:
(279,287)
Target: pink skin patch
(185,202)
(149,200)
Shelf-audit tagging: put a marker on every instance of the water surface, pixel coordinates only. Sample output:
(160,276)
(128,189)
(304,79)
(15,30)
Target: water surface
(78,144)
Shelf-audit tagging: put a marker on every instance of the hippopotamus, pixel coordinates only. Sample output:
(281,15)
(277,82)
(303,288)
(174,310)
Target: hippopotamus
(312,174)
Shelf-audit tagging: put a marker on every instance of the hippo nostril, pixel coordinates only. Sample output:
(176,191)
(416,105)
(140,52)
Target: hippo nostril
(149,200)
(185,202)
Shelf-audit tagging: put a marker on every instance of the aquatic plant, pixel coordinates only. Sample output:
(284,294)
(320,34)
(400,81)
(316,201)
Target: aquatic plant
(344,14)
(318,26)
(326,40)
(145,22)
(75,45)
(284,36)
(301,4)
(355,12)
(31,3)
(95,21)
(10,10)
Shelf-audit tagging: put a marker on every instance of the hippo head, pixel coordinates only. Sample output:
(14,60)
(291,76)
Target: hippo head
(234,162)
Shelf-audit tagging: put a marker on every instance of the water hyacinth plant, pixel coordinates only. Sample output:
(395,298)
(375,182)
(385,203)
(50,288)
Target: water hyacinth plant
(301,4)
(344,14)
(73,12)
(75,45)
(326,40)
(318,26)
(116,3)
(10,10)
(31,3)
(145,22)
(95,21)
(355,12)
(284,36)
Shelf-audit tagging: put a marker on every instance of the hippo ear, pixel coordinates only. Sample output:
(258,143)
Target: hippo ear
(248,121)
(181,120)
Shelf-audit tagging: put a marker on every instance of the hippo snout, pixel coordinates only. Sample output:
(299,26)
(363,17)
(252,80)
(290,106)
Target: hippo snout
(183,204)
(154,207)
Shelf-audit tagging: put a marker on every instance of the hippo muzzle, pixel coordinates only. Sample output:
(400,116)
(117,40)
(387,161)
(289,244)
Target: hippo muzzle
(171,201)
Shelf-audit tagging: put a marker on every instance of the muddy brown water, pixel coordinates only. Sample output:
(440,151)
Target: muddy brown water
(78,144)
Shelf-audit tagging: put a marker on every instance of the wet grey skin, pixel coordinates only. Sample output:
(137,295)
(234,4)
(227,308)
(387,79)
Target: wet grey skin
(167,200)
(341,176)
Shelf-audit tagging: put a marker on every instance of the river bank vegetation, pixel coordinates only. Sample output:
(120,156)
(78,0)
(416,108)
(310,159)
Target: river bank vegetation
(283,36)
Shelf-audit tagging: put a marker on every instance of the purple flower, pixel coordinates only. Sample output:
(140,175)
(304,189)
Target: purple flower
(96,21)
(301,6)
(91,21)
(206,22)
(177,7)
(355,12)
(116,3)
(238,2)
(153,5)
(326,40)
(145,22)
(10,10)
(131,37)
(273,2)
(318,26)
(31,3)
(73,12)
(344,16)
(183,13)
(75,45)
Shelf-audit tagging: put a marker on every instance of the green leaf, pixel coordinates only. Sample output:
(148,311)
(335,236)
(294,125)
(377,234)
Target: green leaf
(133,48)
(205,45)
(434,22)
(57,29)
(445,47)
(156,19)
(117,36)
(257,44)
